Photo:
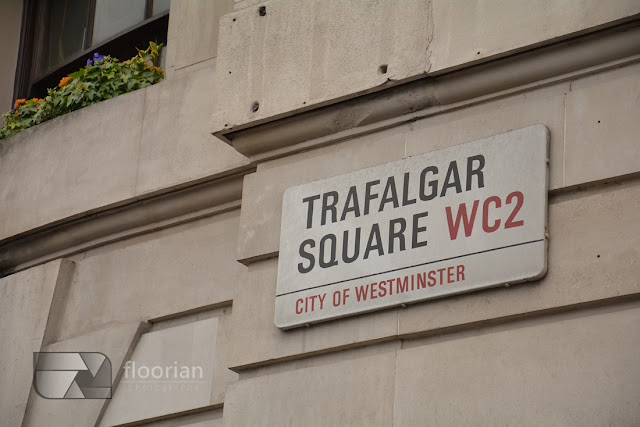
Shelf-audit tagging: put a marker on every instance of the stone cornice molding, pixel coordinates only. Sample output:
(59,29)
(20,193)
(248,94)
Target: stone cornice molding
(136,217)
(431,95)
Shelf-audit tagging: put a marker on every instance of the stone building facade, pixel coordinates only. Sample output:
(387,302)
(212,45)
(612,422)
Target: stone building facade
(147,227)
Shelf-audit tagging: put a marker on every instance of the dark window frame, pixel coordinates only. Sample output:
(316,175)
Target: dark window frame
(29,83)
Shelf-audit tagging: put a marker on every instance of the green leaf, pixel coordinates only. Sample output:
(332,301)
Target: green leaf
(88,85)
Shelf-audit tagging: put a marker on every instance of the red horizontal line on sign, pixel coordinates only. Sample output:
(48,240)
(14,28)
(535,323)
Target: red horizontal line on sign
(410,266)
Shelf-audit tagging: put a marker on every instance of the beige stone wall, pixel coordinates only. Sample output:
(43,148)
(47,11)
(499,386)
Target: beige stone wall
(567,369)
(441,362)
(318,52)
(126,228)
(161,297)
(145,142)
(192,40)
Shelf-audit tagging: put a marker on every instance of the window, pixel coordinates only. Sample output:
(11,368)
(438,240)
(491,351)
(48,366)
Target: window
(59,35)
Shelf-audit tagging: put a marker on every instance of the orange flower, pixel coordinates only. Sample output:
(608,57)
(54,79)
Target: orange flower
(128,60)
(158,69)
(36,100)
(19,102)
(64,81)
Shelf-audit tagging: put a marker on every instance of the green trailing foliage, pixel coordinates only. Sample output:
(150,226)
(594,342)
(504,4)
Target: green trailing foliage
(103,78)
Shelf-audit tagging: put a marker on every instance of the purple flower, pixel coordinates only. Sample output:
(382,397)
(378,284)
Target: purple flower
(97,58)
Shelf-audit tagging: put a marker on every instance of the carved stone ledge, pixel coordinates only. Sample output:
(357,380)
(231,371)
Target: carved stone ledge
(137,217)
(390,106)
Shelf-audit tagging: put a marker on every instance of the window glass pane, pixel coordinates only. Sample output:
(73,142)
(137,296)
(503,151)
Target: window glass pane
(160,6)
(114,16)
(66,30)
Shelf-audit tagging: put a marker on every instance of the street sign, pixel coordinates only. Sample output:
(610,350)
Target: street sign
(465,218)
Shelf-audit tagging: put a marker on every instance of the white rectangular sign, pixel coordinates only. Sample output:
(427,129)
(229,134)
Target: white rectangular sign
(460,219)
